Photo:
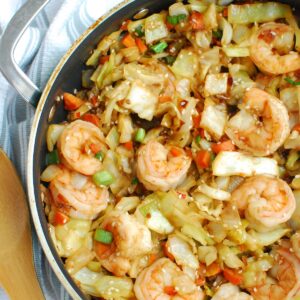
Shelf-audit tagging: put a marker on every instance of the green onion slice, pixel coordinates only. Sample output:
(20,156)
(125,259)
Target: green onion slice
(52,158)
(160,47)
(103,178)
(139,31)
(170,59)
(140,135)
(134,181)
(198,139)
(291,81)
(217,34)
(103,236)
(99,155)
(174,20)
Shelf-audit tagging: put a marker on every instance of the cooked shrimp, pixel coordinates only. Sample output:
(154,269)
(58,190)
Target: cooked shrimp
(164,280)
(77,195)
(77,145)
(228,291)
(262,124)
(161,168)
(130,240)
(266,200)
(285,281)
(271,36)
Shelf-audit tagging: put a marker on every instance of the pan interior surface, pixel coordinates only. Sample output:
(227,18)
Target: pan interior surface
(66,78)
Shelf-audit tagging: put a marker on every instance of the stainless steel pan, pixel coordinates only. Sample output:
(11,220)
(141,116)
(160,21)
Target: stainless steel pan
(66,77)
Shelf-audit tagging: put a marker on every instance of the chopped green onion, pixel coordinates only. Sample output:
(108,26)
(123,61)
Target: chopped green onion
(169,59)
(212,156)
(173,20)
(181,17)
(103,178)
(103,236)
(140,135)
(217,34)
(99,155)
(52,158)
(139,31)
(134,181)
(160,47)
(198,139)
(291,81)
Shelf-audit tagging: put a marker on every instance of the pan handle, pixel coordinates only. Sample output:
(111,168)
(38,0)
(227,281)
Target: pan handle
(8,42)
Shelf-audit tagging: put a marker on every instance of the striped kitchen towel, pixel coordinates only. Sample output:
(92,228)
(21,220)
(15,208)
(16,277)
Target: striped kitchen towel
(38,52)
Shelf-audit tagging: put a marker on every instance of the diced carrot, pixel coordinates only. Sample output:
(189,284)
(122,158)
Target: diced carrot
(188,152)
(224,146)
(92,119)
(95,148)
(297,127)
(128,145)
(141,45)
(164,98)
(103,250)
(233,276)
(196,20)
(170,290)
(128,41)
(103,59)
(200,281)
(175,151)
(94,100)
(152,258)
(202,159)
(124,25)
(167,253)
(212,270)
(202,133)
(72,102)
(60,218)
(196,121)
(225,12)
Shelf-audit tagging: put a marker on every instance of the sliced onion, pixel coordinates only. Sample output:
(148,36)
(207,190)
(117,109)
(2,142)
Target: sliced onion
(53,133)
(214,193)
(182,252)
(50,173)
(78,181)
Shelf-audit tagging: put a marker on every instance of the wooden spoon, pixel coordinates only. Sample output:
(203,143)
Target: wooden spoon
(17,274)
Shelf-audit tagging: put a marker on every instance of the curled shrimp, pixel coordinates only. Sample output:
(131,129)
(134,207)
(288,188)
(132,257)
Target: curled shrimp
(267,201)
(161,168)
(130,240)
(164,280)
(262,124)
(77,145)
(228,291)
(285,281)
(77,195)
(271,36)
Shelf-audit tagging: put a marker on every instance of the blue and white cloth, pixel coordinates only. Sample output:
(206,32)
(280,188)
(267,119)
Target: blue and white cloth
(38,52)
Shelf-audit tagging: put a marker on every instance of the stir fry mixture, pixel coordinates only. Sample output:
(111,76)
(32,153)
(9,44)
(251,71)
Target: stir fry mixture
(176,174)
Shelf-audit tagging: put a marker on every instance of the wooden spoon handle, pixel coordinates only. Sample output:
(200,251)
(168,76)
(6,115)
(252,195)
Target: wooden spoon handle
(17,274)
